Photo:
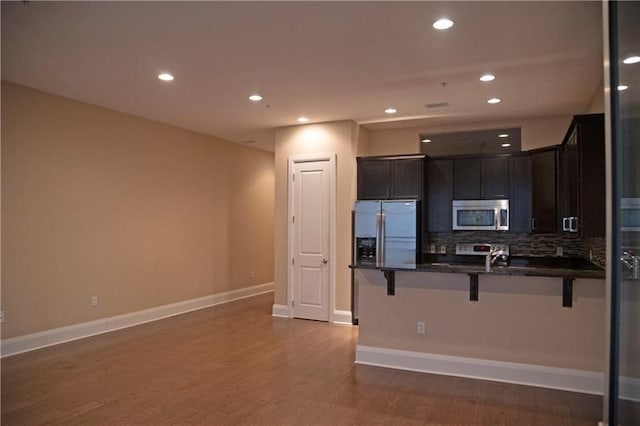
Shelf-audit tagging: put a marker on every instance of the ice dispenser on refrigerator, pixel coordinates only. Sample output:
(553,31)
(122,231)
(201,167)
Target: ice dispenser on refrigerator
(387,233)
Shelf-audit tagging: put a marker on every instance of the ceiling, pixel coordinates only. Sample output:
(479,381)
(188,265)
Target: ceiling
(324,60)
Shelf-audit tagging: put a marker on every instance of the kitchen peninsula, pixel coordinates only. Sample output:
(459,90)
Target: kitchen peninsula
(524,304)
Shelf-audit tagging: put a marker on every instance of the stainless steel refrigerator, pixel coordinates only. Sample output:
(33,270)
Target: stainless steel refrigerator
(387,233)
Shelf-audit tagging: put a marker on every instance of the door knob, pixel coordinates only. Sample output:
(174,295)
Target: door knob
(324,260)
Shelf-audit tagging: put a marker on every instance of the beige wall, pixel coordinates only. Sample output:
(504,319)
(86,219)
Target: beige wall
(138,213)
(516,319)
(341,138)
(596,105)
(535,133)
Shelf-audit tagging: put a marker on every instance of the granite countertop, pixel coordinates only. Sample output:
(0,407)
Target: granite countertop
(562,267)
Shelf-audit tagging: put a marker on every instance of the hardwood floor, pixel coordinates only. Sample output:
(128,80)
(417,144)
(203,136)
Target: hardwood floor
(235,364)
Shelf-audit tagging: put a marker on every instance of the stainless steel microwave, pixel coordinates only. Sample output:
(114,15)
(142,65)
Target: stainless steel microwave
(480,215)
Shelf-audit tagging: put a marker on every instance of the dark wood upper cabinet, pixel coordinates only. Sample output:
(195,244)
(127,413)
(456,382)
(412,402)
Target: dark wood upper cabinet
(630,151)
(385,178)
(481,178)
(467,181)
(544,166)
(373,179)
(520,194)
(407,177)
(585,150)
(495,177)
(439,195)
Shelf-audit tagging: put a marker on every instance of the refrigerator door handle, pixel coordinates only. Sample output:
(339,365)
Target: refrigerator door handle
(383,220)
(378,238)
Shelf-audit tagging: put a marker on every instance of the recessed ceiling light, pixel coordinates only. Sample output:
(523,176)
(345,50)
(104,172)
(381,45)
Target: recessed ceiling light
(390,110)
(506,145)
(631,60)
(302,119)
(426,140)
(494,100)
(255,98)
(443,24)
(165,76)
(488,77)
(622,87)
(503,135)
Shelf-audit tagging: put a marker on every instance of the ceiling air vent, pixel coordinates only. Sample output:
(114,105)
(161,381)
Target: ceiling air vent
(437,105)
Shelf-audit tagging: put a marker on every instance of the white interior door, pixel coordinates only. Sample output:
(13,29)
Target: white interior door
(311,238)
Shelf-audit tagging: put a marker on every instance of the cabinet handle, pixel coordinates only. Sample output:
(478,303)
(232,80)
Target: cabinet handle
(533,223)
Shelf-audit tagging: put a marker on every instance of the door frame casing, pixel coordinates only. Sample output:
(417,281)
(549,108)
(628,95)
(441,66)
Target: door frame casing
(309,158)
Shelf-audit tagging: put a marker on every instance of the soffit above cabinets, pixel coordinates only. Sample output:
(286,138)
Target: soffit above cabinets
(494,141)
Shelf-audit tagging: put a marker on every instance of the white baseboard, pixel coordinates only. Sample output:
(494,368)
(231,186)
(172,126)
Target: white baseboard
(498,371)
(281,311)
(338,317)
(341,317)
(29,342)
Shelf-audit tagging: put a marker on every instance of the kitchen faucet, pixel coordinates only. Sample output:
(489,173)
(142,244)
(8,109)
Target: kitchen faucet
(491,258)
(632,263)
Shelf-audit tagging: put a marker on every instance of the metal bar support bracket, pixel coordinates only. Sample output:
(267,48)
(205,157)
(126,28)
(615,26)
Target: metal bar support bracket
(390,275)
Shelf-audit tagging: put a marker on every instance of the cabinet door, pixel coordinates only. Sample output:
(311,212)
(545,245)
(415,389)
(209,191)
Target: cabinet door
(439,195)
(467,183)
(373,179)
(543,191)
(591,179)
(568,179)
(406,178)
(629,135)
(495,178)
(520,194)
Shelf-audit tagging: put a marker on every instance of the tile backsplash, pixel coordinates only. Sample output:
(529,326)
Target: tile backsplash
(523,244)
(596,250)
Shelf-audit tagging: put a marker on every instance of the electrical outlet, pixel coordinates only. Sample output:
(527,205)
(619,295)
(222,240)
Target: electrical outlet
(1,316)
(443,249)
(432,248)
(558,251)
(94,300)
(420,327)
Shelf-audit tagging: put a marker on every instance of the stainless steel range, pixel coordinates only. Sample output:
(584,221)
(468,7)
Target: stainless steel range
(493,254)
